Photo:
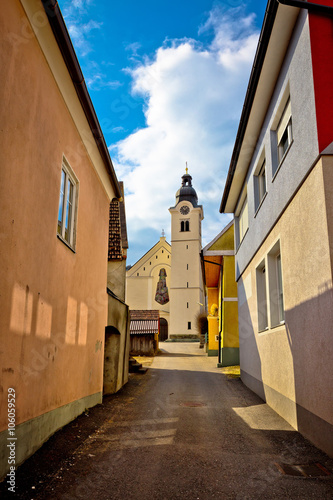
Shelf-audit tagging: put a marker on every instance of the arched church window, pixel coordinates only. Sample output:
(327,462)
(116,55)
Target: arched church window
(182,226)
(187,225)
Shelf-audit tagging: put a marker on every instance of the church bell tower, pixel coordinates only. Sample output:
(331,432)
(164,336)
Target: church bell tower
(186,287)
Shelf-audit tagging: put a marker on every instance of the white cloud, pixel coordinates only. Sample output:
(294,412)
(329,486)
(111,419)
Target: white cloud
(97,80)
(193,97)
(74,12)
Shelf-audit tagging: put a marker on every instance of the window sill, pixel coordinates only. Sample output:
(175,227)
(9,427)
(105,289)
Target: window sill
(282,160)
(65,243)
(270,330)
(278,325)
(259,206)
(265,330)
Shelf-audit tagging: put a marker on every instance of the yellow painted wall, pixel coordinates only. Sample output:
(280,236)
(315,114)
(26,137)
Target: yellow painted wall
(213,329)
(213,321)
(230,336)
(228,324)
(229,282)
(225,242)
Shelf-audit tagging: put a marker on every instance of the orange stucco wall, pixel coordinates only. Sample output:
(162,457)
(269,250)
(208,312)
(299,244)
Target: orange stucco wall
(53,301)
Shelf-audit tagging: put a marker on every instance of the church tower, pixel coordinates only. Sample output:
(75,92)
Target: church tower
(186,287)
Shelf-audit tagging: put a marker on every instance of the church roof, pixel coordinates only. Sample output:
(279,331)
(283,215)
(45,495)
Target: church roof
(162,243)
(187,191)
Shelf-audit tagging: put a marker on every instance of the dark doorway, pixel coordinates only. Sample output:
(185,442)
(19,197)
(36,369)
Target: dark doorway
(163,330)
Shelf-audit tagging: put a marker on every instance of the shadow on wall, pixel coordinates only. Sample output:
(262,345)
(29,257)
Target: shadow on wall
(45,330)
(308,376)
(309,328)
(250,362)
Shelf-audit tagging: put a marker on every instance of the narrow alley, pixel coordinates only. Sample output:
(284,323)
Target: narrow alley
(184,430)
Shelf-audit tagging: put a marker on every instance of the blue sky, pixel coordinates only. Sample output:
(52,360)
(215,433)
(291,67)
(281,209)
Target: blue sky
(168,80)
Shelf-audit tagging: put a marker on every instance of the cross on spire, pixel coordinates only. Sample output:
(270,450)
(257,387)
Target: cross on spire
(186,169)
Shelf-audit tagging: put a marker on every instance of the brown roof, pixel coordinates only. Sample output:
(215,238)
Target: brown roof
(122,214)
(144,322)
(117,228)
(144,314)
(115,249)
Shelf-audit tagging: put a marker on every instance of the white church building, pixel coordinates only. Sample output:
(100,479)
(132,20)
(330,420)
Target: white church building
(168,278)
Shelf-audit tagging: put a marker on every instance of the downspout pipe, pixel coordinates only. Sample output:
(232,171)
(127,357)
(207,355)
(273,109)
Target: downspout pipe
(311,7)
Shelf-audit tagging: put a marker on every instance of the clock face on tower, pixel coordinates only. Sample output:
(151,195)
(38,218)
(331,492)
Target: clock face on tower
(184,210)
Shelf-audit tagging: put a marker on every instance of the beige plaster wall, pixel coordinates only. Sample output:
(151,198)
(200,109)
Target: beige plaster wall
(117,345)
(116,277)
(53,301)
(142,279)
(292,364)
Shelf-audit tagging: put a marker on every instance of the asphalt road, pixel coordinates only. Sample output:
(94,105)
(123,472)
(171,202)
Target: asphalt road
(182,431)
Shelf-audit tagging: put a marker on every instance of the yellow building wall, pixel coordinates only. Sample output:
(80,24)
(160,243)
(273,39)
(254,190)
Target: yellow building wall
(213,321)
(227,296)
(230,336)
(225,242)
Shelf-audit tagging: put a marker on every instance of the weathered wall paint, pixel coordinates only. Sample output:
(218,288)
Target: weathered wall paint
(53,301)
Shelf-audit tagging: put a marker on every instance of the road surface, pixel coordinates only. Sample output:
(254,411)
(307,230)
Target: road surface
(184,430)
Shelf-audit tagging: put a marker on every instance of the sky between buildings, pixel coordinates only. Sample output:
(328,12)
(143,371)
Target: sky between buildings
(167,79)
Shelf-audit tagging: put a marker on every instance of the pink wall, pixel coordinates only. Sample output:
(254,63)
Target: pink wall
(53,302)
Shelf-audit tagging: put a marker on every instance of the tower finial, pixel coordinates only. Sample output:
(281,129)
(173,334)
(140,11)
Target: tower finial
(186,169)
(163,233)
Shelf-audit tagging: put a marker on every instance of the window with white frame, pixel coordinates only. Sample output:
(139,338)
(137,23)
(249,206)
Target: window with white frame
(275,285)
(284,132)
(67,205)
(243,220)
(262,297)
(260,184)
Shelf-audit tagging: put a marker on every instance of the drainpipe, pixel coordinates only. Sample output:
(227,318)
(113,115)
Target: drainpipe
(311,7)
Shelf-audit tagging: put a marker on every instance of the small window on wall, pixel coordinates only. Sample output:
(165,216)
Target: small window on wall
(284,132)
(68,200)
(275,285)
(260,185)
(243,221)
(261,297)
(189,325)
